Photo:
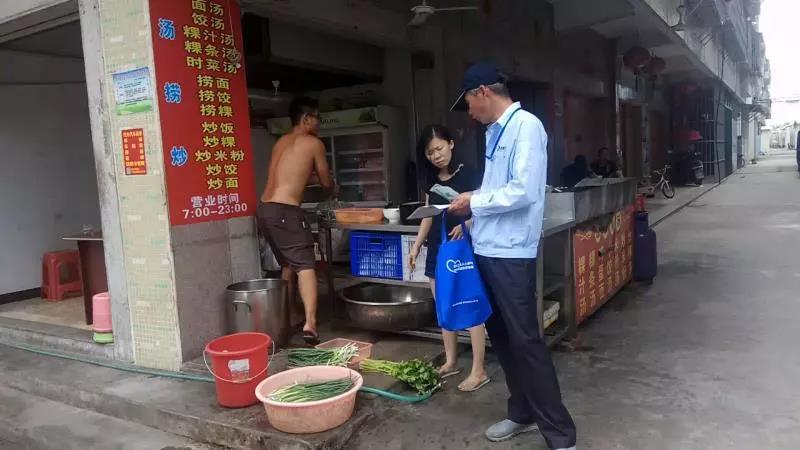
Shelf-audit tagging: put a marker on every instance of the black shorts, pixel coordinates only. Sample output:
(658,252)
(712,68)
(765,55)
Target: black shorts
(430,260)
(288,233)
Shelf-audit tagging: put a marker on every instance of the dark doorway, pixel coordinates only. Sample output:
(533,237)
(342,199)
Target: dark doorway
(631,139)
(728,138)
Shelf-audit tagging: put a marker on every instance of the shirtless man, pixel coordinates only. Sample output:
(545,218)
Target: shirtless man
(298,159)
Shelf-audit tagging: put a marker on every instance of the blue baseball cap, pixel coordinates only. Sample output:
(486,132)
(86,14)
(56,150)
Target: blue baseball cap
(477,75)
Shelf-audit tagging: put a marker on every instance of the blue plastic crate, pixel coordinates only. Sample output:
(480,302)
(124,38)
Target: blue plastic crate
(376,255)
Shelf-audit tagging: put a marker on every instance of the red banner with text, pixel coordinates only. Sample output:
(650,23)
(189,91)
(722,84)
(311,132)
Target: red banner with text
(603,262)
(204,109)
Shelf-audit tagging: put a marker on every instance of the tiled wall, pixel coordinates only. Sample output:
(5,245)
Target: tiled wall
(148,261)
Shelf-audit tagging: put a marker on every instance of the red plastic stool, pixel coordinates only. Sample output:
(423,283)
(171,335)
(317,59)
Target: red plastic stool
(61,274)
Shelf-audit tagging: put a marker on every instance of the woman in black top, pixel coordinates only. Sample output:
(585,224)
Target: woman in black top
(436,147)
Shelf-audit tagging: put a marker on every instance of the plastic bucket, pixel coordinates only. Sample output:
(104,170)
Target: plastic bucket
(101,313)
(239,362)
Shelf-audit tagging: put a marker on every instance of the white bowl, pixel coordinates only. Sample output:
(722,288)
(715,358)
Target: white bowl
(392,215)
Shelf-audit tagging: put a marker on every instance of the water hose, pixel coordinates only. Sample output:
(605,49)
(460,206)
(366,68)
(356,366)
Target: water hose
(400,398)
(189,377)
(110,365)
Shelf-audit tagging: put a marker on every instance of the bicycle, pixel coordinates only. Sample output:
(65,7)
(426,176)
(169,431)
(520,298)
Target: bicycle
(663,184)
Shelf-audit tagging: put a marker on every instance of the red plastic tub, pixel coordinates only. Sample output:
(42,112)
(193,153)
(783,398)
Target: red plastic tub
(239,362)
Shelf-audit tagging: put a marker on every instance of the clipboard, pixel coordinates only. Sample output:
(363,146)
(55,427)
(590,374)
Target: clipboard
(423,212)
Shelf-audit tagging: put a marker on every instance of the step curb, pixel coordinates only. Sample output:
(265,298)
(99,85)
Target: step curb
(181,423)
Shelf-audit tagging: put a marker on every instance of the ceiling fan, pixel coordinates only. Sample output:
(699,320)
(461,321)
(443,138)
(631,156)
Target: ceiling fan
(424,11)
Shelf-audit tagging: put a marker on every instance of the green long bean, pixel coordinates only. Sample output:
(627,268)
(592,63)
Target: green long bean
(311,392)
(339,356)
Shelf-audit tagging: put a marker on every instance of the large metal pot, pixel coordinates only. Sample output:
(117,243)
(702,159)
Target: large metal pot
(260,306)
(389,308)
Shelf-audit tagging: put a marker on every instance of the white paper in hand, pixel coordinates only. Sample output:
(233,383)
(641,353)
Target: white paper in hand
(423,212)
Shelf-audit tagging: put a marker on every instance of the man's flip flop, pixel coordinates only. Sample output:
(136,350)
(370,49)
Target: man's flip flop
(450,373)
(483,383)
(310,337)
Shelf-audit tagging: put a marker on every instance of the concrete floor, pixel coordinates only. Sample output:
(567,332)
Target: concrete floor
(705,358)
(8,445)
(661,208)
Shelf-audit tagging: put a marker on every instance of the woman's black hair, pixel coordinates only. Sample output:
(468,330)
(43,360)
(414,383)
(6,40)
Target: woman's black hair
(425,137)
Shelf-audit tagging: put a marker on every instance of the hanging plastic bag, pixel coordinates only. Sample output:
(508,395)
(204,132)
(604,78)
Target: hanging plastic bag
(461,299)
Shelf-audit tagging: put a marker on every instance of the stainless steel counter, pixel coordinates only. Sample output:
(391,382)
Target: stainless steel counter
(554,263)
(591,202)
(549,227)
(383,227)
(556,225)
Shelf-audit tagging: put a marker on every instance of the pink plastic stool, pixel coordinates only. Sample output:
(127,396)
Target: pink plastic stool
(61,273)
(101,313)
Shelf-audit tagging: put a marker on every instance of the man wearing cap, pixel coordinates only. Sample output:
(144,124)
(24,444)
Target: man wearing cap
(508,212)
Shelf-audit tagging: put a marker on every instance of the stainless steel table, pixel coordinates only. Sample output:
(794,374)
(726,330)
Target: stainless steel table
(554,273)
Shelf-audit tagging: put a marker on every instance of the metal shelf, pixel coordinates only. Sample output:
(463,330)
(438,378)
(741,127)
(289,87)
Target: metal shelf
(555,333)
(341,272)
(382,227)
(358,152)
(362,183)
(361,170)
(553,283)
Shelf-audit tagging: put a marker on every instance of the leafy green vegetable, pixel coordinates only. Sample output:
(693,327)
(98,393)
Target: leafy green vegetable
(311,392)
(419,374)
(339,356)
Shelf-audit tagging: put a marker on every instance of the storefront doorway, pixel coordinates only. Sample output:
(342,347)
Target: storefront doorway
(48,179)
(631,139)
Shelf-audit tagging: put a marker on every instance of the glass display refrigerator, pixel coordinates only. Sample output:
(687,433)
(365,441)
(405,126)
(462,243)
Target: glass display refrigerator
(368,151)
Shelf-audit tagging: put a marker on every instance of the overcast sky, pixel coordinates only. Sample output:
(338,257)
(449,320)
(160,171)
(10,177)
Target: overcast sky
(780,23)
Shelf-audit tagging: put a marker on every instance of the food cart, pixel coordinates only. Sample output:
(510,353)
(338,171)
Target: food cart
(584,257)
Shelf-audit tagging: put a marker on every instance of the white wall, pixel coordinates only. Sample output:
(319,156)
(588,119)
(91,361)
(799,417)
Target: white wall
(48,187)
(13,9)
(19,18)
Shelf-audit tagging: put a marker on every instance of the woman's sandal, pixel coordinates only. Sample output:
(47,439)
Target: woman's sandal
(310,337)
(449,373)
(483,383)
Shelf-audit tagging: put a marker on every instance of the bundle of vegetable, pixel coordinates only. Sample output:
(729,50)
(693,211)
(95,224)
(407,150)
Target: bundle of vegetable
(339,356)
(311,392)
(418,374)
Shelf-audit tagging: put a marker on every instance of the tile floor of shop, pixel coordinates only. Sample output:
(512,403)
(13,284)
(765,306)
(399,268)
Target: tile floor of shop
(68,312)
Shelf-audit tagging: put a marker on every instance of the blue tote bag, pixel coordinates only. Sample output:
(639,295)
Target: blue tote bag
(461,299)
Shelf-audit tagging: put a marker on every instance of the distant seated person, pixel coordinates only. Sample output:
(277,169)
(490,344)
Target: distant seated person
(604,167)
(575,172)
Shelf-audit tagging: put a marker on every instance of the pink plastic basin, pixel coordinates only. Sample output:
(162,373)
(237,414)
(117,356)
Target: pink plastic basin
(311,417)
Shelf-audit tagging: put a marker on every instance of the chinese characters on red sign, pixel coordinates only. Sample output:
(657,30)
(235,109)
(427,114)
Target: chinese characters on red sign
(202,96)
(133,151)
(603,262)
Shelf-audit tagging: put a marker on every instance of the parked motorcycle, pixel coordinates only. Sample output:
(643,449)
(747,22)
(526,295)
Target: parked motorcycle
(690,166)
(696,167)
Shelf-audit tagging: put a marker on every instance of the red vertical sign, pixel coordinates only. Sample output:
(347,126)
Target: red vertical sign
(603,262)
(133,151)
(202,97)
